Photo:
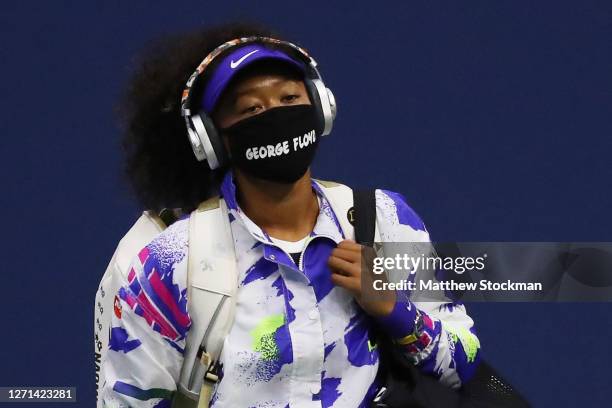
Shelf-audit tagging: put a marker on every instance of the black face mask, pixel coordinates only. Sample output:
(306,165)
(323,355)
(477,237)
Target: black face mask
(276,145)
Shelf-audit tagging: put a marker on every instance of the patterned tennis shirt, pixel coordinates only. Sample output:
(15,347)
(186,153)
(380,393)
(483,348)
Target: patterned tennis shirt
(297,340)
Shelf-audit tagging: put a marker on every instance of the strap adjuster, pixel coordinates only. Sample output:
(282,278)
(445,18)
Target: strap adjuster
(211,366)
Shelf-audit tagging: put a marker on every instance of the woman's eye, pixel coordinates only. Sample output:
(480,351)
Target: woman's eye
(290,98)
(250,109)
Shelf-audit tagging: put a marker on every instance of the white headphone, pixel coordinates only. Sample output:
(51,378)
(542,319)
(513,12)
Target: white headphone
(204,137)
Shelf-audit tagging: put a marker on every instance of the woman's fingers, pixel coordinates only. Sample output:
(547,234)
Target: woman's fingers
(347,254)
(349,244)
(343,266)
(345,263)
(349,283)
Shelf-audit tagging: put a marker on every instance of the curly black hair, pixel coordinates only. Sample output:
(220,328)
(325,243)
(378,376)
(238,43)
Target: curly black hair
(160,165)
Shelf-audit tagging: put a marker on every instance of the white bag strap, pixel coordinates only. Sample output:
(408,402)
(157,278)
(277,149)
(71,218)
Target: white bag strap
(212,281)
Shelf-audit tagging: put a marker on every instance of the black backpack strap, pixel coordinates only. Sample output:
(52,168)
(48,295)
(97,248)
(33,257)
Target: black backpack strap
(364,215)
(405,386)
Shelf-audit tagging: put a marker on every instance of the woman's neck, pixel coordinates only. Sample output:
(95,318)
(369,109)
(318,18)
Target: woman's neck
(285,211)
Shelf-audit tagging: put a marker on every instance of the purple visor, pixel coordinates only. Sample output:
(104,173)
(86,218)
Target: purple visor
(233,63)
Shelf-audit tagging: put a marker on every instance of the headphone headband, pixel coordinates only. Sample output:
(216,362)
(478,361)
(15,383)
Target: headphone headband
(186,96)
(203,135)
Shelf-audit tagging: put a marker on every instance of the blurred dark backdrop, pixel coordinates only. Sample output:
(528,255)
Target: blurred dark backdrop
(493,118)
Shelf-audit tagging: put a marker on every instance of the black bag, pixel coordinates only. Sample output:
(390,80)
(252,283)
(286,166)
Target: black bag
(405,385)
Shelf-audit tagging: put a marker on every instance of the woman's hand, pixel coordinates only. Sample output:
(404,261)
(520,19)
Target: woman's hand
(345,263)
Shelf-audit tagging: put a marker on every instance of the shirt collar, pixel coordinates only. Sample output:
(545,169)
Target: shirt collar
(327,224)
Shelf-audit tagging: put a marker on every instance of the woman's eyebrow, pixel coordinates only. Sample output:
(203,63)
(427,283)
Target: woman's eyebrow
(237,94)
(234,95)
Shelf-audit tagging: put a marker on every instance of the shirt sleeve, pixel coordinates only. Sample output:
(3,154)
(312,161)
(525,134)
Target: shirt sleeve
(148,328)
(437,336)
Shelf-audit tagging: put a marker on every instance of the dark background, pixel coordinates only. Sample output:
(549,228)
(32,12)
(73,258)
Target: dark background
(492,117)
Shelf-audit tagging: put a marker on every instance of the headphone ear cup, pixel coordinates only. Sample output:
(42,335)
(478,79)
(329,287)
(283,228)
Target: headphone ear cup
(332,103)
(215,138)
(324,103)
(196,144)
(315,100)
(209,141)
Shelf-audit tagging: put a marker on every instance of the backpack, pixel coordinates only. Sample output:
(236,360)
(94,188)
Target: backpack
(211,302)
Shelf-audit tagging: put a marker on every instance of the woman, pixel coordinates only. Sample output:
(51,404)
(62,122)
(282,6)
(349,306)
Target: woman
(301,332)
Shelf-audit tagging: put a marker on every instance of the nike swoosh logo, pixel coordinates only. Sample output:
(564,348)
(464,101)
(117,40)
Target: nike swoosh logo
(234,64)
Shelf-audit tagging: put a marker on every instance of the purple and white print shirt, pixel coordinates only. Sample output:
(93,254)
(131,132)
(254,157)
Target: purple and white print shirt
(297,340)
